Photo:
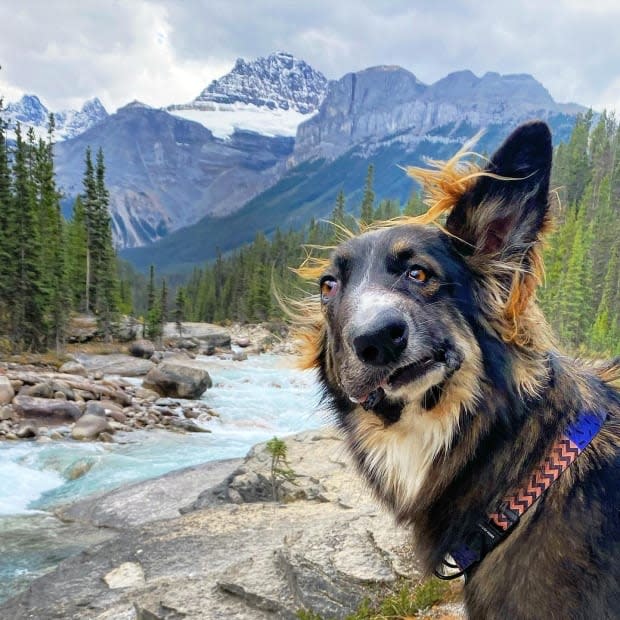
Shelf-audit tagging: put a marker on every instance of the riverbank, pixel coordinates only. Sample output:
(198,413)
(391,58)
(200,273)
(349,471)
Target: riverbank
(224,554)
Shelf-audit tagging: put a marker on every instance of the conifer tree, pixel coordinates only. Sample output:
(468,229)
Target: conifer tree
(368,199)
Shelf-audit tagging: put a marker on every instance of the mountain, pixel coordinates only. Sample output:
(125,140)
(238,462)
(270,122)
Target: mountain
(30,112)
(384,116)
(165,172)
(271,95)
(384,103)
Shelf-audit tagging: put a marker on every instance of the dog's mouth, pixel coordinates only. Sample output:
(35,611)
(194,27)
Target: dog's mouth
(446,357)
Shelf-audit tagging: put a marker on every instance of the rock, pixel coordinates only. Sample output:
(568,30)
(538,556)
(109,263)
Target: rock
(115,364)
(126,329)
(106,437)
(94,408)
(142,348)
(48,411)
(178,380)
(242,342)
(6,390)
(188,425)
(127,575)
(78,469)
(7,413)
(40,390)
(25,431)
(206,333)
(56,435)
(16,384)
(157,357)
(82,328)
(239,356)
(73,368)
(145,394)
(60,396)
(11,436)
(89,426)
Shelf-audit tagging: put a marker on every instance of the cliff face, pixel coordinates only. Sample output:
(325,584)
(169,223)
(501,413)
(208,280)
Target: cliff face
(385,104)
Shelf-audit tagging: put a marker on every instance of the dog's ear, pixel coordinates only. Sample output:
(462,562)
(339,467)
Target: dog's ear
(504,212)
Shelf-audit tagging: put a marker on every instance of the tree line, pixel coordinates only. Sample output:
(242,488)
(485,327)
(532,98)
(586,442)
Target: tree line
(50,266)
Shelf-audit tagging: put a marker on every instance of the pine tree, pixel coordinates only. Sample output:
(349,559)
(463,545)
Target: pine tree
(368,200)
(179,310)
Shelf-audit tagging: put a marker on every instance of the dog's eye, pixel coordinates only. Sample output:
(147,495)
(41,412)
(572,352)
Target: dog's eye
(417,274)
(329,287)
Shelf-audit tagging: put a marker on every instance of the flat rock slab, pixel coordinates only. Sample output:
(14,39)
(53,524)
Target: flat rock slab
(208,333)
(115,364)
(151,500)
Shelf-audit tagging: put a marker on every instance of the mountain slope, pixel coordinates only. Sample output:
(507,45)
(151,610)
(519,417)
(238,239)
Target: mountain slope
(309,190)
(164,172)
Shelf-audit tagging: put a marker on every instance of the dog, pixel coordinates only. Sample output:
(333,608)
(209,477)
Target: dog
(502,454)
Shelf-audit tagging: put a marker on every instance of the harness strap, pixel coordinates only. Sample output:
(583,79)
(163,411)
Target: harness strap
(492,530)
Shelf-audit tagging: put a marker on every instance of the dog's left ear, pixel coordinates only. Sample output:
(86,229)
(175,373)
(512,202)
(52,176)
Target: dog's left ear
(503,213)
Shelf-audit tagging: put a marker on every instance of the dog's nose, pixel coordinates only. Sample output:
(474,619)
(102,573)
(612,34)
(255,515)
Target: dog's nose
(382,340)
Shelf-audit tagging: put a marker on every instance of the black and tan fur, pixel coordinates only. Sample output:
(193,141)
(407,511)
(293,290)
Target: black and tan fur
(485,392)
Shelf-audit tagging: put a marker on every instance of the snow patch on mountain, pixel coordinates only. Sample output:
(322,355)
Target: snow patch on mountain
(270,96)
(29,111)
(224,119)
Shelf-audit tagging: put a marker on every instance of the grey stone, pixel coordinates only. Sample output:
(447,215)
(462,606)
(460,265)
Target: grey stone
(116,364)
(188,425)
(89,426)
(26,430)
(82,328)
(206,333)
(48,411)
(178,379)
(142,348)
(6,390)
(94,408)
(239,356)
(73,368)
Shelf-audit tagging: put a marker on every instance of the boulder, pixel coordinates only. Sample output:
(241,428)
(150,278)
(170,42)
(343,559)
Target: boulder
(25,431)
(73,368)
(242,342)
(206,333)
(116,364)
(126,329)
(240,356)
(89,426)
(6,390)
(142,348)
(46,410)
(82,328)
(178,380)
(94,408)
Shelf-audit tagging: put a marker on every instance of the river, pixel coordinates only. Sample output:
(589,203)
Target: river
(255,399)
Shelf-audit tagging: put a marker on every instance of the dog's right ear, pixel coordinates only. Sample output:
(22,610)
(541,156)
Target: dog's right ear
(503,213)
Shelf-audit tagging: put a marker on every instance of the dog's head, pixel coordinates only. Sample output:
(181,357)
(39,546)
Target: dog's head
(416,319)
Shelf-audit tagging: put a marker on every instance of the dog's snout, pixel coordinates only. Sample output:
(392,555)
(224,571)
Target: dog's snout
(382,340)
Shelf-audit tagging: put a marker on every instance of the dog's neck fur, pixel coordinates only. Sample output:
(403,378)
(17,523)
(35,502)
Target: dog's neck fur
(430,467)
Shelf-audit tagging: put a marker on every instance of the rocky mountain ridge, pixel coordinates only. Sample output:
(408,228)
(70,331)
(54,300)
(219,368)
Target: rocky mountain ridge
(29,111)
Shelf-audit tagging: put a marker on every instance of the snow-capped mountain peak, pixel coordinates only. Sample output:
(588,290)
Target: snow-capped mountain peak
(29,111)
(271,95)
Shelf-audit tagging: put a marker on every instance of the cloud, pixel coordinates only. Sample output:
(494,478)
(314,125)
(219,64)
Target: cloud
(166,51)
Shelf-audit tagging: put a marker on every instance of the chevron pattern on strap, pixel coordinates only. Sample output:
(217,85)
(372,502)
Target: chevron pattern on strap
(563,453)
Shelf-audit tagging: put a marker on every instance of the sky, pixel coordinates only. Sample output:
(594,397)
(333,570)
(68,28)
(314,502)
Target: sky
(166,51)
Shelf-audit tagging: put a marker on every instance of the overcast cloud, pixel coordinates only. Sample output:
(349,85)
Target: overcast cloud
(167,51)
